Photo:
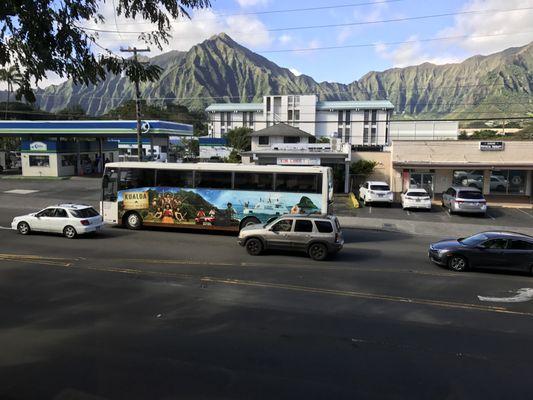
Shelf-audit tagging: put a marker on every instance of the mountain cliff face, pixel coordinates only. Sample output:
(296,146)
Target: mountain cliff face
(221,70)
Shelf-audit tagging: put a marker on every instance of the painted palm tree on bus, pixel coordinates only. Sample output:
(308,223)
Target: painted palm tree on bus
(11,76)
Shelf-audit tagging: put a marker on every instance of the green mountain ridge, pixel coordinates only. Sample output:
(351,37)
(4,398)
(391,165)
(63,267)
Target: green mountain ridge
(221,70)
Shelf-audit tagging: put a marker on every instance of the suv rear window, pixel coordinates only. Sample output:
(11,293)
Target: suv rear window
(470,195)
(417,194)
(324,226)
(85,213)
(380,187)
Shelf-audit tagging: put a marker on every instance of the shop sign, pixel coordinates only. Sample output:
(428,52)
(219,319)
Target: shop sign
(299,161)
(492,146)
(38,146)
(135,200)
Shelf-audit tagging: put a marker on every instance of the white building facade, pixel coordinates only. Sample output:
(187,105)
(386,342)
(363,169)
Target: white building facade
(360,123)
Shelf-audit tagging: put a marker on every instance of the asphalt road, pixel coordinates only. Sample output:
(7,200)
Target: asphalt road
(176,315)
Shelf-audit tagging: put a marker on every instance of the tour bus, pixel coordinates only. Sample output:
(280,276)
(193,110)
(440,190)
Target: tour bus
(210,196)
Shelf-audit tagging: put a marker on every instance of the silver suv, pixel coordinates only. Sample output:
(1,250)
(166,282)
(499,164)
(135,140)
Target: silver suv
(464,199)
(317,235)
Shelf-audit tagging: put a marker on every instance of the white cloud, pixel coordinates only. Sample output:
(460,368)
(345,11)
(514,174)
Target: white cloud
(411,53)
(491,24)
(251,3)
(284,39)
(295,71)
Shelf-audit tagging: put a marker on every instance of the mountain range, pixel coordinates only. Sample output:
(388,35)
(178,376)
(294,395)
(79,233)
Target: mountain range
(221,70)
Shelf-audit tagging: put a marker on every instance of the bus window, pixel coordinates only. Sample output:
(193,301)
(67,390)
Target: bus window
(132,178)
(253,181)
(212,180)
(299,183)
(174,178)
(109,184)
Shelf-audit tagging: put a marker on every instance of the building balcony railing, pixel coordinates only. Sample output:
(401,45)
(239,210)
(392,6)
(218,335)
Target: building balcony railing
(334,147)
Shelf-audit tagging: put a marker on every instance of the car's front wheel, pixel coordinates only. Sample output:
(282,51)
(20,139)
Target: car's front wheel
(457,263)
(69,232)
(23,228)
(254,246)
(318,251)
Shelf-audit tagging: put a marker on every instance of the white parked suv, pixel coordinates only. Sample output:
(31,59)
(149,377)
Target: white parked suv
(69,219)
(416,198)
(375,192)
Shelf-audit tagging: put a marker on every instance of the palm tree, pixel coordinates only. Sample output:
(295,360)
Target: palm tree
(11,76)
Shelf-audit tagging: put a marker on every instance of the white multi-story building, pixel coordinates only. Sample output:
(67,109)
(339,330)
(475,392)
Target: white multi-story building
(360,123)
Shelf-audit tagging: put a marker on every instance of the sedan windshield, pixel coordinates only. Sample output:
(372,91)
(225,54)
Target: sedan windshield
(380,187)
(474,239)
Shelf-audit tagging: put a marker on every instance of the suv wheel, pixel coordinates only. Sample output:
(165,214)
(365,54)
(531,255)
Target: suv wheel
(457,263)
(69,232)
(23,228)
(133,221)
(318,251)
(254,246)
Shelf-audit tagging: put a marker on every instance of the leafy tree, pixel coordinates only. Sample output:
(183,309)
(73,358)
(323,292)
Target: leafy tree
(72,112)
(234,157)
(239,138)
(363,168)
(10,76)
(483,134)
(37,36)
(323,139)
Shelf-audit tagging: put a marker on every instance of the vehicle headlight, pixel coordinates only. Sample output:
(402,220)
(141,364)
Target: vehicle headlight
(442,252)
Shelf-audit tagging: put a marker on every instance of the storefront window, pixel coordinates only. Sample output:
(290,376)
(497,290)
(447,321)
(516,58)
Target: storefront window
(39,161)
(68,160)
(506,181)
(468,177)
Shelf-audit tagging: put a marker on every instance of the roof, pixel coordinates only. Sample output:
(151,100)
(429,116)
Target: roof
(220,107)
(351,105)
(281,129)
(71,206)
(217,167)
(93,128)
(466,188)
(507,233)
(312,216)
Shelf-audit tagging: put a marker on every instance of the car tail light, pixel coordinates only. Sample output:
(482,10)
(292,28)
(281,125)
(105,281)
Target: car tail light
(459,201)
(337,238)
(85,222)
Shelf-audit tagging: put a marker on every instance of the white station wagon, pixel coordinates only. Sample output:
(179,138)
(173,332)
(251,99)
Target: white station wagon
(69,219)
(416,198)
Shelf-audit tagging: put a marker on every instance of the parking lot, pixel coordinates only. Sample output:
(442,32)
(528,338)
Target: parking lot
(499,216)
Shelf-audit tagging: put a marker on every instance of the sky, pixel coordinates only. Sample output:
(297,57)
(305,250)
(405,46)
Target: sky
(258,25)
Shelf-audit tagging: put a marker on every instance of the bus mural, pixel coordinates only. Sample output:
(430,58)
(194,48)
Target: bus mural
(212,207)
(225,196)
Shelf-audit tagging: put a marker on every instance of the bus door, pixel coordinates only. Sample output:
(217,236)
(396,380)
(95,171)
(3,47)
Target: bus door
(109,203)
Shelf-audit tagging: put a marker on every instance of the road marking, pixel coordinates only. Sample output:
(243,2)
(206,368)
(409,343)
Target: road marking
(5,227)
(20,191)
(525,212)
(408,213)
(294,288)
(522,295)
(370,210)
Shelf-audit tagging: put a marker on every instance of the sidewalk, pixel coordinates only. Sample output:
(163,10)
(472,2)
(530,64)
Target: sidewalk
(441,229)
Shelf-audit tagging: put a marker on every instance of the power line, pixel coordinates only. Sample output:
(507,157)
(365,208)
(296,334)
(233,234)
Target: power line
(348,46)
(358,23)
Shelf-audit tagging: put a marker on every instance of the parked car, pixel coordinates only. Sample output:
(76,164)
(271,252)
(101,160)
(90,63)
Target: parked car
(69,219)
(375,192)
(464,199)
(317,235)
(505,250)
(416,198)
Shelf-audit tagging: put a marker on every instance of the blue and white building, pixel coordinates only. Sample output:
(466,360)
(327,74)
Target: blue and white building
(63,148)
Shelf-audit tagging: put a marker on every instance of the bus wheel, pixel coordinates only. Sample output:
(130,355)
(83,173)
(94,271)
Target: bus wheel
(249,221)
(133,221)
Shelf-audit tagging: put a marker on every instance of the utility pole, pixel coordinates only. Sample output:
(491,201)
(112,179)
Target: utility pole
(135,50)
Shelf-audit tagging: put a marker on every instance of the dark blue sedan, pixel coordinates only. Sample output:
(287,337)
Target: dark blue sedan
(498,250)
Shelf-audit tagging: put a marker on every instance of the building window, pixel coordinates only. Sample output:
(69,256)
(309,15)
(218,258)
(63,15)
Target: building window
(373,134)
(244,118)
(268,104)
(347,135)
(251,118)
(505,181)
(296,101)
(290,100)
(68,160)
(347,117)
(228,118)
(291,139)
(367,116)
(468,177)
(289,115)
(263,140)
(374,117)
(296,115)
(222,131)
(222,119)
(366,138)
(40,161)
(339,133)
(339,117)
